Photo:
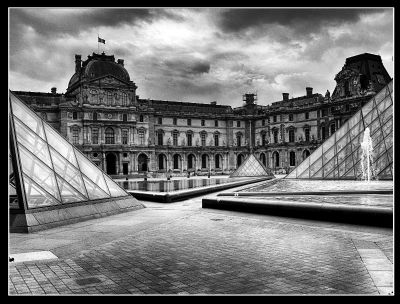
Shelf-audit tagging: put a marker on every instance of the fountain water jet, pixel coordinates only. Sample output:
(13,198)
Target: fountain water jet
(366,156)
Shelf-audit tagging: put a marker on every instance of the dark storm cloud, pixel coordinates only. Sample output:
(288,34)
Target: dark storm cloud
(187,67)
(237,20)
(74,21)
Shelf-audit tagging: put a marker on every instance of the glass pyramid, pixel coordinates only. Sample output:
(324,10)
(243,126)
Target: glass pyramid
(339,156)
(50,170)
(251,167)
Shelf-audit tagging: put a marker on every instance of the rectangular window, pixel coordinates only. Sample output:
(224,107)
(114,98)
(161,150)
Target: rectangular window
(203,122)
(174,121)
(290,117)
(239,140)
(276,136)
(291,135)
(160,120)
(124,117)
(216,123)
(263,140)
(307,115)
(263,122)
(189,140)
(74,115)
(275,118)
(160,138)
(216,140)
(141,138)
(189,122)
(175,139)
(307,134)
(95,136)
(238,124)
(124,137)
(75,136)
(203,139)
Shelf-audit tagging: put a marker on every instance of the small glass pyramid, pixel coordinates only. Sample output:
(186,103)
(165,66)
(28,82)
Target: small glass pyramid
(251,167)
(339,156)
(50,170)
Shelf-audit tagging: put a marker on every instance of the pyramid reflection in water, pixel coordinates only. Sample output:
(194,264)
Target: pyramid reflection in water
(251,167)
(339,157)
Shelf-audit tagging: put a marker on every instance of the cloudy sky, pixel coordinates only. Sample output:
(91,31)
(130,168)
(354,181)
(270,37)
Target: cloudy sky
(201,54)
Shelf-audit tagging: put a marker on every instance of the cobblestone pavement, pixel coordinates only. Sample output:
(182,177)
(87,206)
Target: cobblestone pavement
(213,252)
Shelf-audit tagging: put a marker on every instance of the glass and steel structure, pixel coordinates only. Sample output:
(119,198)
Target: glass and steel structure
(46,170)
(251,166)
(339,157)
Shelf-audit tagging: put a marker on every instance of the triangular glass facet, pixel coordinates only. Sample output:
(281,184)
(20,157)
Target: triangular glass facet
(251,166)
(344,146)
(53,171)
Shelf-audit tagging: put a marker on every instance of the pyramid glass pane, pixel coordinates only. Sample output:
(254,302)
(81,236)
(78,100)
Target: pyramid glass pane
(32,142)
(343,159)
(251,167)
(60,145)
(91,171)
(115,189)
(38,172)
(94,191)
(386,173)
(305,174)
(36,196)
(11,187)
(22,112)
(68,193)
(68,172)
(53,171)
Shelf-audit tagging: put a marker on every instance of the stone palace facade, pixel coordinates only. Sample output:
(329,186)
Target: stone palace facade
(101,114)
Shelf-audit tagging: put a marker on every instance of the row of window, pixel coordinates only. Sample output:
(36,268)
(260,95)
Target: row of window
(275,118)
(162,161)
(188,122)
(189,139)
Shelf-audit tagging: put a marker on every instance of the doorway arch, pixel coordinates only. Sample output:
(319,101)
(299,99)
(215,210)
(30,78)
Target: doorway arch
(306,154)
(191,164)
(275,156)
(142,162)
(111,163)
(263,159)
(162,162)
(240,159)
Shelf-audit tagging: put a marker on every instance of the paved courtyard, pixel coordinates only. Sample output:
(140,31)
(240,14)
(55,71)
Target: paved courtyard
(180,248)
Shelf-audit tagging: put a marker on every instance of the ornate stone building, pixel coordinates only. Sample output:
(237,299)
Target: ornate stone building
(101,114)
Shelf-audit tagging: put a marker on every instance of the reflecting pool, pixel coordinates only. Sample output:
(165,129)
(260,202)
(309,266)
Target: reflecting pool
(175,184)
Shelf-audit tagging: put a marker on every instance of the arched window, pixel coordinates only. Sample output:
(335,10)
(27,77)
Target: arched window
(175,138)
(95,136)
(124,117)
(275,136)
(217,161)
(160,137)
(216,140)
(141,118)
(239,139)
(203,136)
(263,159)
(141,137)
(333,128)
(191,161)
(189,139)
(124,137)
(291,135)
(176,161)
(161,161)
(94,115)
(276,159)
(75,136)
(307,134)
(292,157)
(263,139)
(110,139)
(204,161)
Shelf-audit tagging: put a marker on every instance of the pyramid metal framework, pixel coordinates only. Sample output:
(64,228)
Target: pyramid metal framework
(339,157)
(46,170)
(251,167)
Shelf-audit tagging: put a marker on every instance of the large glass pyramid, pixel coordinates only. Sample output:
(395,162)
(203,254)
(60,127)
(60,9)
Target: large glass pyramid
(251,167)
(50,170)
(339,157)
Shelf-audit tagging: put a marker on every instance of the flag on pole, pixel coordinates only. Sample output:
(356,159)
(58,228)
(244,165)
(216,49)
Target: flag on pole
(101,40)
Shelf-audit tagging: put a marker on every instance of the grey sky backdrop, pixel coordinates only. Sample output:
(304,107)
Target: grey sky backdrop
(201,54)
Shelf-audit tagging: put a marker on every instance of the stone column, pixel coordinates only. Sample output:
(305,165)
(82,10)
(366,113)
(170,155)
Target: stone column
(119,164)
(103,161)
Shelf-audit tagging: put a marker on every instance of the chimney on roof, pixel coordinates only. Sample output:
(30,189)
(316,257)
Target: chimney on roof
(309,91)
(78,63)
(53,90)
(213,102)
(120,61)
(285,96)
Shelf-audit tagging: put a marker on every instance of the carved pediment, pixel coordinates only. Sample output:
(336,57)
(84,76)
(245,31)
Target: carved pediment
(346,73)
(108,80)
